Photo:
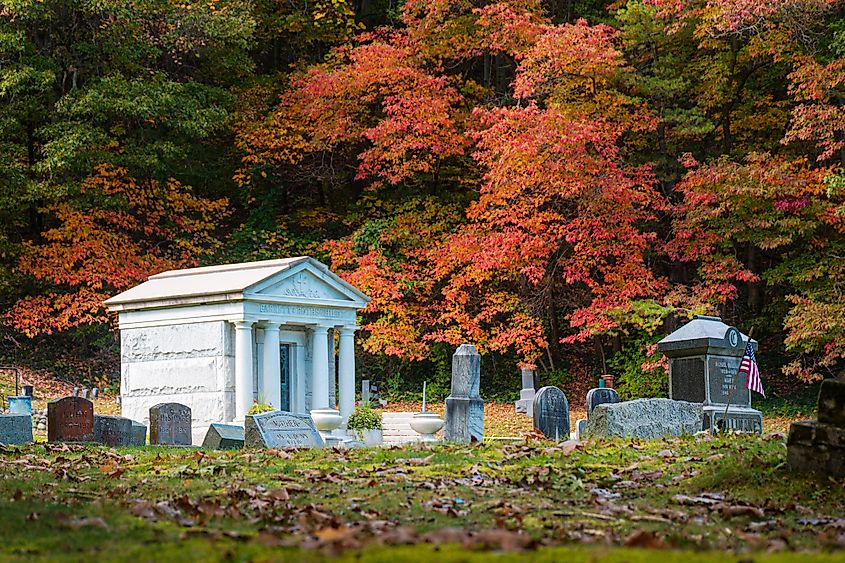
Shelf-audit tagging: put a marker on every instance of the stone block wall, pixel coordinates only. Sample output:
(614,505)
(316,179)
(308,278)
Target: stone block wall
(191,363)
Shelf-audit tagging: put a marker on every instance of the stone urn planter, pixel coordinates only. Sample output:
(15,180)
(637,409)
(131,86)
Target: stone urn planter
(427,424)
(326,420)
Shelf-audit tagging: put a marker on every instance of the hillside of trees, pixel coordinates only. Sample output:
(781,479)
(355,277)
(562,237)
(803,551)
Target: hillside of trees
(558,182)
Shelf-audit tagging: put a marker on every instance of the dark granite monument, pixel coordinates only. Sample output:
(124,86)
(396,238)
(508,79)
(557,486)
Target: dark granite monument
(704,356)
(464,406)
(15,429)
(280,429)
(224,437)
(112,430)
(600,396)
(551,413)
(170,424)
(70,419)
(139,434)
(819,446)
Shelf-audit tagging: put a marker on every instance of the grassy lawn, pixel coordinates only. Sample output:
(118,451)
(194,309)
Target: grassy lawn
(689,498)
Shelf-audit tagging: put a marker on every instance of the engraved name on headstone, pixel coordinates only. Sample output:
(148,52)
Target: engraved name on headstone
(170,424)
(551,413)
(279,429)
(112,430)
(70,419)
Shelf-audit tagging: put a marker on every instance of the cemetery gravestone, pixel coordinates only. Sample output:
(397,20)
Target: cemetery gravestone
(15,429)
(170,424)
(704,356)
(224,437)
(279,429)
(645,418)
(819,446)
(525,404)
(139,434)
(70,419)
(112,430)
(551,413)
(599,396)
(464,406)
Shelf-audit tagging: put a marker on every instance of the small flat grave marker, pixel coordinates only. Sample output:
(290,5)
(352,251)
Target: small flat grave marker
(70,419)
(224,437)
(15,428)
(170,424)
(279,429)
(112,430)
(551,413)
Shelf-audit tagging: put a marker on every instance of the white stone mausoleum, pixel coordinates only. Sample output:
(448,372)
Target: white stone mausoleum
(218,338)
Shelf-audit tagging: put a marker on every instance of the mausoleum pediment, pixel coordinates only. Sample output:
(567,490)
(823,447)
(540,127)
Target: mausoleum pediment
(304,284)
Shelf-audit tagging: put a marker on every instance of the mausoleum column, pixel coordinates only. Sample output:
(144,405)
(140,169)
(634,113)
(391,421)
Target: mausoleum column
(272,383)
(320,368)
(346,372)
(243,368)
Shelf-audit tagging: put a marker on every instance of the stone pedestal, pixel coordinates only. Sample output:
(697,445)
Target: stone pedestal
(525,404)
(819,447)
(464,407)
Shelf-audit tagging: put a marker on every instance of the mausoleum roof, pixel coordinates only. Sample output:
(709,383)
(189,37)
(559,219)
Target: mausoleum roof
(236,281)
(703,335)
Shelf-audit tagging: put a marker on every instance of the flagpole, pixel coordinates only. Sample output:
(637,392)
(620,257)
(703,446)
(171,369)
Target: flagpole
(736,376)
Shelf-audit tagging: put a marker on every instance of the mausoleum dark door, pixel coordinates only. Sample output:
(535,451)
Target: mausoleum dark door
(285,358)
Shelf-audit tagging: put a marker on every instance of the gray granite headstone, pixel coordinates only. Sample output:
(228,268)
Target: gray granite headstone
(464,406)
(139,434)
(70,419)
(15,428)
(645,418)
(525,404)
(112,430)
(551,413)
(279,429)
(580,428)
(224,437)
(365,391)
(599,396)
(170,424)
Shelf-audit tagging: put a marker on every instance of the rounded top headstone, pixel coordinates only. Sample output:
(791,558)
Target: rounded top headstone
(705,335)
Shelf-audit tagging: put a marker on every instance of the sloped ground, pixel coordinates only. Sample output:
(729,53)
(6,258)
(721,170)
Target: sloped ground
(689,498)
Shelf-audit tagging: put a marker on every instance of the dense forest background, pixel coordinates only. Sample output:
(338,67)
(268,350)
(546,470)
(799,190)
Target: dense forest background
(558,182)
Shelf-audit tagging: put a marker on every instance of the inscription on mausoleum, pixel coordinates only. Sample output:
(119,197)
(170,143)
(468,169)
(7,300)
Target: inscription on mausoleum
(303,311)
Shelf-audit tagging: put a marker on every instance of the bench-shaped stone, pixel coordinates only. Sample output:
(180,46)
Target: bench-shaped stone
(112,430)
(15,429)
(396,429)
(645,418)
(224,437)
(70,419)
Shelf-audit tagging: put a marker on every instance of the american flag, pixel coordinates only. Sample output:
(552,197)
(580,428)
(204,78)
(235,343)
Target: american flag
(749,366)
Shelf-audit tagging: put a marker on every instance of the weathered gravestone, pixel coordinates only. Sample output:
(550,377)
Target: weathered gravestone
(170,424)
(224,437)
(704,356)
(464,406)
(279,429)
(819,446)
(525,404)
(600,396)
(15,429)
(645,418)
(112,430)
(70,419)
(551,413)
(139,434)
(365,392)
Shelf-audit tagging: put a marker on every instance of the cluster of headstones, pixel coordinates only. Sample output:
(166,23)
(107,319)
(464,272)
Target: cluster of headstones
(72,419)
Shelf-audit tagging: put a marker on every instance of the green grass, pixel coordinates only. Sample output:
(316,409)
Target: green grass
(455,503)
